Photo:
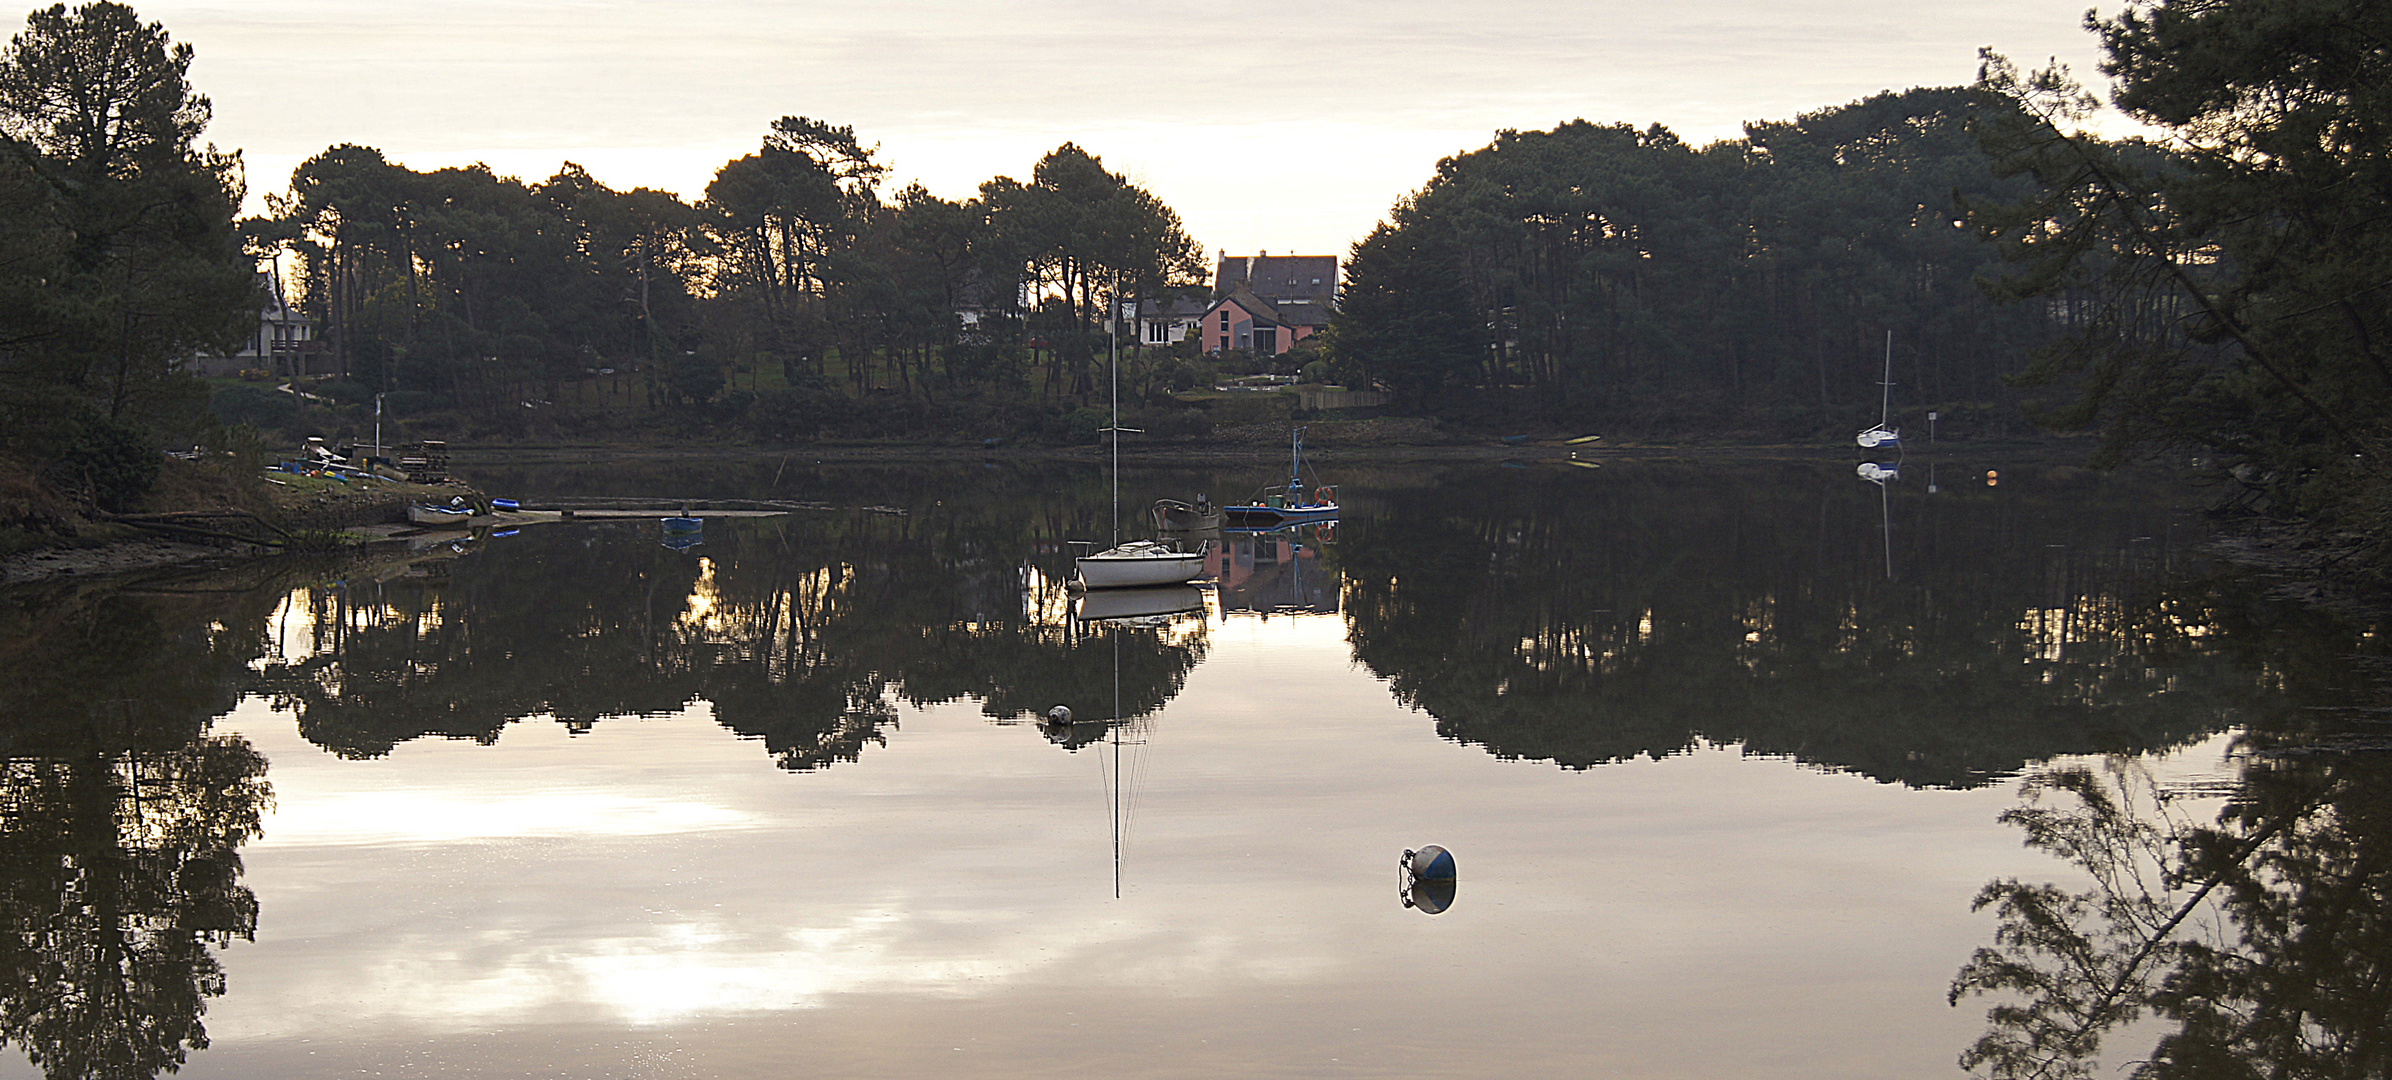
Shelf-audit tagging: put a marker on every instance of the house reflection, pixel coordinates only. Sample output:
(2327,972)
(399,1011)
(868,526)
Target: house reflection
(1282,571)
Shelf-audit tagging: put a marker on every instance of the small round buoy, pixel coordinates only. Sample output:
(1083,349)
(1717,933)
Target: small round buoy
(1431,863)
(1060,714)
(1430,897)
(1428,883)
(1992,478)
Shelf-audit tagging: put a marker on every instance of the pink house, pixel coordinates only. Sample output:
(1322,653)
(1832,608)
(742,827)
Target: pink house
(1268,304)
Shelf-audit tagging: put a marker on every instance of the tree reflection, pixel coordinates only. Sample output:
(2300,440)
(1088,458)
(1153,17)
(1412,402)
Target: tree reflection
(121,877)
(121,820)
(2260,940)
(1585,618)
(802,632)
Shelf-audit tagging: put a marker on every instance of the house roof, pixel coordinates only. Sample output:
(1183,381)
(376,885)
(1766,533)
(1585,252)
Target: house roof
(1280,277)
(1180,306)
(1302,313)
(1260,310)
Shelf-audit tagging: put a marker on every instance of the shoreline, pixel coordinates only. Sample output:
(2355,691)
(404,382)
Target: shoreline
(1215,452)
(148,552)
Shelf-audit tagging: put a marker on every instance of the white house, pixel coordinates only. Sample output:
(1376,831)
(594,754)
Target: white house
(281,345)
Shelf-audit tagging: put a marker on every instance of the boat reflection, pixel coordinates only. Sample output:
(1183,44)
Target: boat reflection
(1883,475)
(1137,604)
(1276,571)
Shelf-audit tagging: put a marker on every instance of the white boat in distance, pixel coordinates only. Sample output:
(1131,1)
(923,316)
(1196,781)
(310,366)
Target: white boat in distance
(1883,435)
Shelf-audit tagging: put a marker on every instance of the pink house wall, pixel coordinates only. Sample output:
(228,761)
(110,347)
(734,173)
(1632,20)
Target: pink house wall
(1217,338)
(1241,321)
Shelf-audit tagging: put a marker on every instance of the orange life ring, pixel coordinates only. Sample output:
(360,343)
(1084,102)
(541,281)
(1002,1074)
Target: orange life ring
(1325,532)
(1324,494)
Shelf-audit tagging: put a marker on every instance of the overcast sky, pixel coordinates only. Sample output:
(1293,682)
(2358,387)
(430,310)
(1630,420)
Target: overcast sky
(1287,127)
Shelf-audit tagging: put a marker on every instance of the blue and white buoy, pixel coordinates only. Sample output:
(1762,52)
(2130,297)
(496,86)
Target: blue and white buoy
(1431,863)
(1429,879)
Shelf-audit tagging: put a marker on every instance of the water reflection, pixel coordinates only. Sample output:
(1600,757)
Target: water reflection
(1562,615)
(1154,602)
(1287,570)
(121,821)
(2250,919)
(1566,616)
(801,633)
(1545,615)
(121,879)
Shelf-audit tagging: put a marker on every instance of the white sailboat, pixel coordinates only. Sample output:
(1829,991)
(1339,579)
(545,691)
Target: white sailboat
(1139,562)
(1883,435)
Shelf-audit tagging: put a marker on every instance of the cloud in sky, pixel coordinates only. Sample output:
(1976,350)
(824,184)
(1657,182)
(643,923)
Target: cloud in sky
(1290,127)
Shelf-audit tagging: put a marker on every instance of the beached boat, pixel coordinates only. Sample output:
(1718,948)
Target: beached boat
(432,516)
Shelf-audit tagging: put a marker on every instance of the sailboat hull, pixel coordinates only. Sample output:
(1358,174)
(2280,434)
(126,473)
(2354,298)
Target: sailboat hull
(1141,563)
(1271,517)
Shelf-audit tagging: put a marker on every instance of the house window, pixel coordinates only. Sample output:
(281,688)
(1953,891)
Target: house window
(1224,322)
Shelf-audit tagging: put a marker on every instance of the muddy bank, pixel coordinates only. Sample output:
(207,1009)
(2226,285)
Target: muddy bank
(196,514)
(118,557)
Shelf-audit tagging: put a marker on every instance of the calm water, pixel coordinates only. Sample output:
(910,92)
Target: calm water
(1723,753)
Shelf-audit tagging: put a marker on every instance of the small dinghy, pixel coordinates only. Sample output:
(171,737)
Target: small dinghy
(435,517)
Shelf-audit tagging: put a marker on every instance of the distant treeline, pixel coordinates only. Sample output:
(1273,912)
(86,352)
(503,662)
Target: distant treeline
(1598,272)
(1601,272)
(481,290)
(2219,289)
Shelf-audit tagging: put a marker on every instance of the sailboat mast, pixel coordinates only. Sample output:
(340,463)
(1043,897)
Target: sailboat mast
(1116,635)
(1885,400)
(1113,336)
(1295,467)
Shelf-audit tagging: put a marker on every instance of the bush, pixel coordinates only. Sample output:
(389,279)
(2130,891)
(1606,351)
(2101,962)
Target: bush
(345,392)
(1178,424)
(1084,425)
(692,379)
(1177,376)
(257,406)
(797,412)
(1232,363)
(410,402)
(106,462)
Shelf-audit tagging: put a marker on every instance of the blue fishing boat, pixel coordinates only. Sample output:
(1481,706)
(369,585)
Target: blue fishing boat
(1290,505)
